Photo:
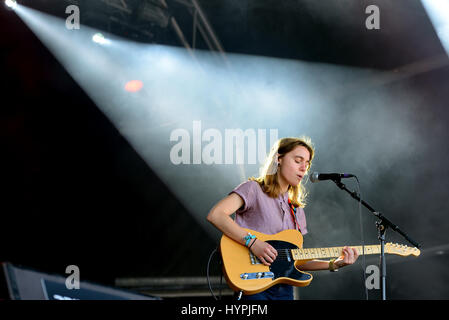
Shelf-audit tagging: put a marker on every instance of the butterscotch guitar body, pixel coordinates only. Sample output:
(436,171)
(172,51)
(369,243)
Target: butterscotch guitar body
(245,272)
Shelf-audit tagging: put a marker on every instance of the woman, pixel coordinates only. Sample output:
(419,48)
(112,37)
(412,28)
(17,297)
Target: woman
(264,204)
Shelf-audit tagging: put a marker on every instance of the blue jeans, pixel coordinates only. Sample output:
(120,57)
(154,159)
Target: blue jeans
(276,292)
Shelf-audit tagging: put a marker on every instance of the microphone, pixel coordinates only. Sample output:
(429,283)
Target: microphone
(315,177)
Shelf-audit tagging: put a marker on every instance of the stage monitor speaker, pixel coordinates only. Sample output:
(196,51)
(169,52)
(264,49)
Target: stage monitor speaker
(22,283)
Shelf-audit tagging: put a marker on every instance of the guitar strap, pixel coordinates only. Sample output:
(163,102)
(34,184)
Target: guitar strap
(294,216)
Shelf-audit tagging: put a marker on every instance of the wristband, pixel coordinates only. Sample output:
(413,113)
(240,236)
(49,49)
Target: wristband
(252,243)
(332,266)
(248,238)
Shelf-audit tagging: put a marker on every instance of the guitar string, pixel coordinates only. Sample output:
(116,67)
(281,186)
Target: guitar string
(284,253)
(288,254)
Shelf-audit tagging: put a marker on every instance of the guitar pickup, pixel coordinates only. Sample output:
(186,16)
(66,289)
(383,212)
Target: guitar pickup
(253,258)
(257,275)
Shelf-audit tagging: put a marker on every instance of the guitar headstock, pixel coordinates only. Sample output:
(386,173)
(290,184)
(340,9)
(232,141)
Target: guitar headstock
(402,250)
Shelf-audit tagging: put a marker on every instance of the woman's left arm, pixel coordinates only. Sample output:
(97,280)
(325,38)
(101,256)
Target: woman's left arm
(348,257)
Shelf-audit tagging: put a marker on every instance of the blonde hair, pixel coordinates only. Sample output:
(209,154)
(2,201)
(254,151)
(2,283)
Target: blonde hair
(269,182)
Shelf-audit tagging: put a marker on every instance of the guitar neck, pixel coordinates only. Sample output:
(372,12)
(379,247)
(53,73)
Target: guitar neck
(332,252)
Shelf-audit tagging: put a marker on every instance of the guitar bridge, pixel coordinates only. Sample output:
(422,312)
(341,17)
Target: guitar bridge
(257,275)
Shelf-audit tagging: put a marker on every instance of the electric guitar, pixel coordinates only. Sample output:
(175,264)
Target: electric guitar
(244,272)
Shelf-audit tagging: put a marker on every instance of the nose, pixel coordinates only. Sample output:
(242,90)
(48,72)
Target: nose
(303,167)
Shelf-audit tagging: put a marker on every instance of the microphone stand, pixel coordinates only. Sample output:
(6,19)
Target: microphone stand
(382,224)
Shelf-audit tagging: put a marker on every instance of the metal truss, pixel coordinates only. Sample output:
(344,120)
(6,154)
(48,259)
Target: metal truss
(157,12)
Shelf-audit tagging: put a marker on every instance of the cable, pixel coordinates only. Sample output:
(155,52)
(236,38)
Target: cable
(362,238)
(207,272)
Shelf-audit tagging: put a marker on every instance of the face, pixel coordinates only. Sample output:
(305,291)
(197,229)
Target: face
(294,165)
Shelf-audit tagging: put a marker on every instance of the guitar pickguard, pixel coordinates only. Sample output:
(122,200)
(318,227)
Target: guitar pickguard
(283,265)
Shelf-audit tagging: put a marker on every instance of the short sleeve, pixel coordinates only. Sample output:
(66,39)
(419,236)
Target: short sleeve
(247,191)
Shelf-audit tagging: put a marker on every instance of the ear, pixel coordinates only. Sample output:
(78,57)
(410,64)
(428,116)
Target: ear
(279,160)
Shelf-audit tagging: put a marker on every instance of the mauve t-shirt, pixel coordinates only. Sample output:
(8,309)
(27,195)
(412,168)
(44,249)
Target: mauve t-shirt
(265,214)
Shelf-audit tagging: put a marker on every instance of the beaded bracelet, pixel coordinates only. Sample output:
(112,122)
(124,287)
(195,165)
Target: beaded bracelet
(248,238)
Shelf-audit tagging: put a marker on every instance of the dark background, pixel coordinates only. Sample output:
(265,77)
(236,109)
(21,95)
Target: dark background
(75,192)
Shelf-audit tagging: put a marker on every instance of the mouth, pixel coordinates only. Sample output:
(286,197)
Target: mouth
(300,176)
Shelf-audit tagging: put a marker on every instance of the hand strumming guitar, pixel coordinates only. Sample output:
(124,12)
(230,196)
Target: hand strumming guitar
(264,251)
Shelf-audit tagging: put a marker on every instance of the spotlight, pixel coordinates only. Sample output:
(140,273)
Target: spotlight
(100,39)
(133,85)
(11,3)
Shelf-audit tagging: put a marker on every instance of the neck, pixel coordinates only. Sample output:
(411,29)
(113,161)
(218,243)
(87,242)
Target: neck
(332,252)
(282,183)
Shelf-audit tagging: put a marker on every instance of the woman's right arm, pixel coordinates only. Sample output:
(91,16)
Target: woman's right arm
(220,217)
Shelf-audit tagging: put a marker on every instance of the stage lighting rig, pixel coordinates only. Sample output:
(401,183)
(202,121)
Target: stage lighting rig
(155,12)
(11,4)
